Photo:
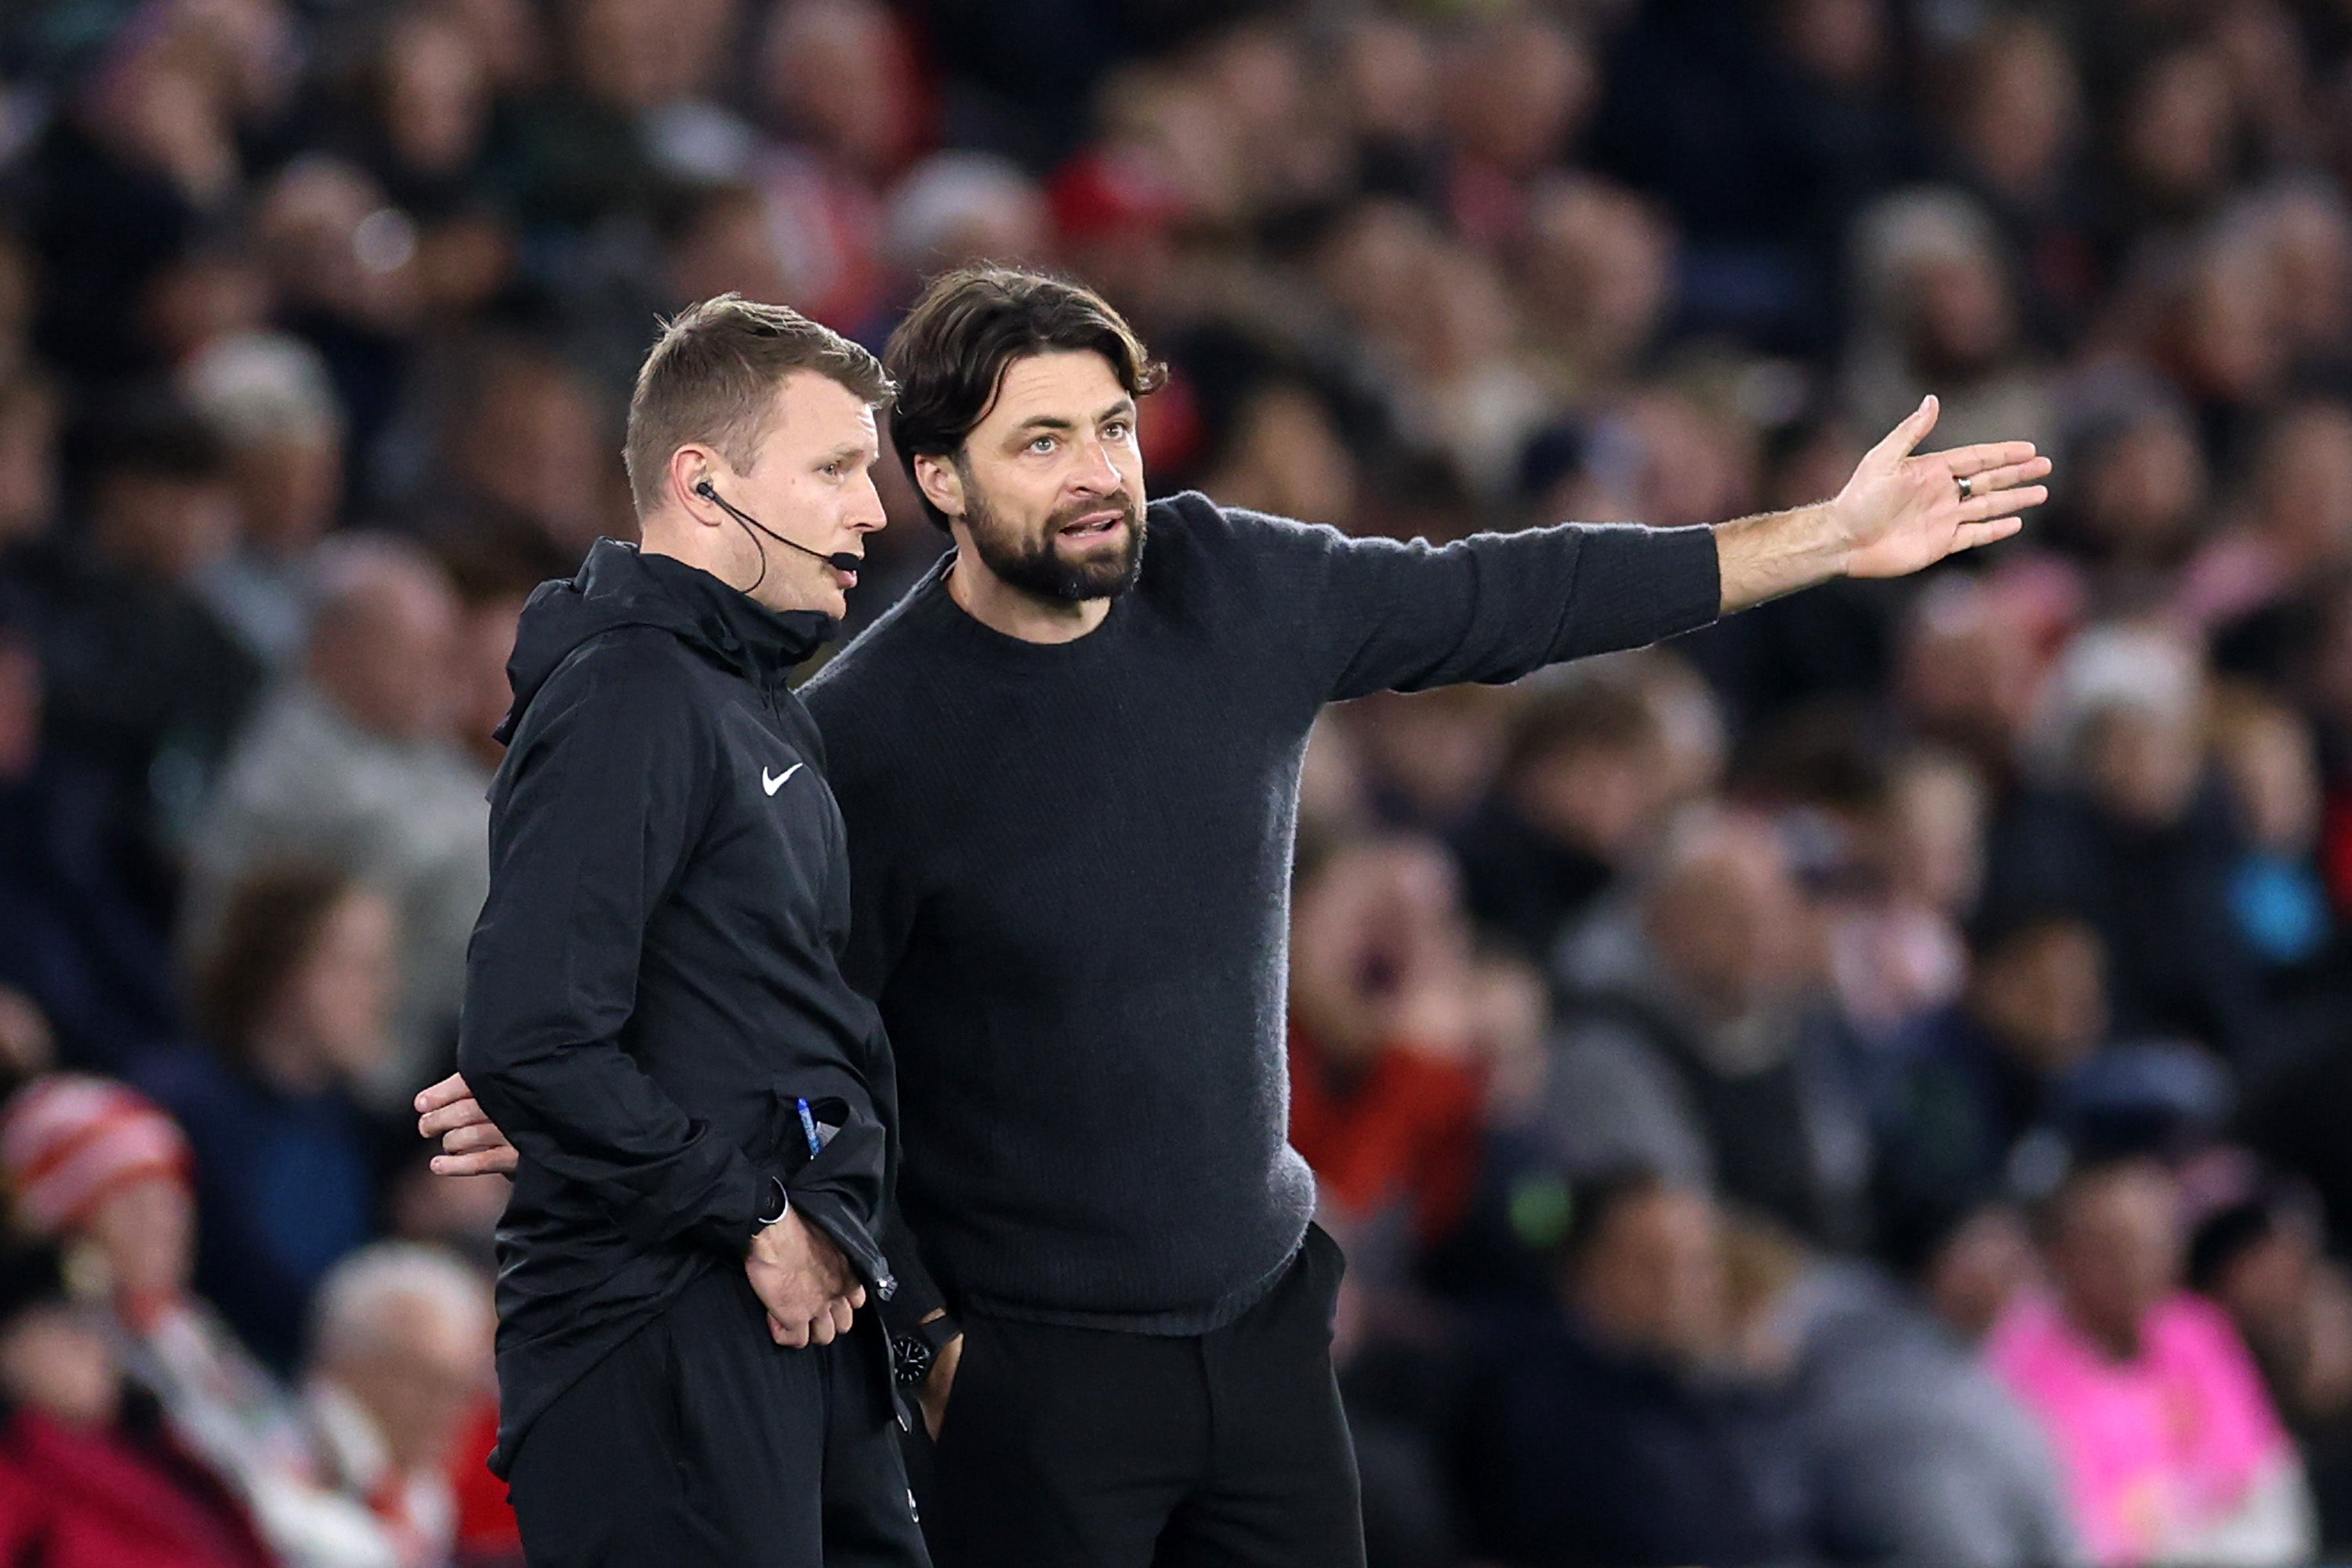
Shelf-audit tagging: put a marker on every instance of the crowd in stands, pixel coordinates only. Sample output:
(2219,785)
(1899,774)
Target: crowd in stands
(1865,1083)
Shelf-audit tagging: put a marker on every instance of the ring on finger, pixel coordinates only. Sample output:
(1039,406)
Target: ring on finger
(1966,489)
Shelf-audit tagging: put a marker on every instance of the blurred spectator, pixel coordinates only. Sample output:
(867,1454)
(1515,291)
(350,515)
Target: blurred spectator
(1896,951)
(400,1360)
(1973,1081)
(2134,836)
(1597,1435)
(422,114)
(1595,265)
(2311,246)
(1891,935)
(524,432)
(1917,1454)
(1806,123)
(2298,524)
(492,585)
(144,151)
(1938,312)
(1970,668)
(573,151)
(1281,452)
(2256,1252)
(343,267)
(2018,135)
(1581,789)
(1517,87)
(956,209)
(2137,489)
(353,765)
(1431,756)
(837,79)
(2267,758)
(1696,1038)
(97,1167)
(2175,141)
(2169,1445)
(142,679)
(292,999)
(87,1477)
(268,399)
(1969,1263)
(1395,1024)
(79,946)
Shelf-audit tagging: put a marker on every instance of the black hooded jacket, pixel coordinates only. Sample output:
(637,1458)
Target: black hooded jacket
(653,988)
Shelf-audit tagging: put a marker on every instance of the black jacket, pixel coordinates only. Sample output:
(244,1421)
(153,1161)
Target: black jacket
(653,985)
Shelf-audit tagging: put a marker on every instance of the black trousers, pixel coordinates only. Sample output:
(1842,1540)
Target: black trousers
(700,1443)
(1080,1448)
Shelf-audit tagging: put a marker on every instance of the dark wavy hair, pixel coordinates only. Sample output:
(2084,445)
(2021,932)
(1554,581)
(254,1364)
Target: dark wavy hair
(948,356)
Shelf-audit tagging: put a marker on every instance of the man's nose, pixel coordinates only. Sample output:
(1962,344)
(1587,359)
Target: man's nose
(1096,475)
(867,512)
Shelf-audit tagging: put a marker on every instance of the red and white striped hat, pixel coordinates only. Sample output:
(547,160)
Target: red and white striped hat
(67,1140)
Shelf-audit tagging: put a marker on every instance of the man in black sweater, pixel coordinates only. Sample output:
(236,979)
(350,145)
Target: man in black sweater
(655,1009)
(1069,766)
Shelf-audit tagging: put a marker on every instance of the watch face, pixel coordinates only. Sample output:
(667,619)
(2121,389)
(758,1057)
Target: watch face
(913,1357)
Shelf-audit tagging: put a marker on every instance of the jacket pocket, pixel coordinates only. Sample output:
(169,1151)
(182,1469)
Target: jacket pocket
(838,1185)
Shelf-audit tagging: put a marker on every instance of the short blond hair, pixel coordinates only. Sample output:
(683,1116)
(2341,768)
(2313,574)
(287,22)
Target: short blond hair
(711,377)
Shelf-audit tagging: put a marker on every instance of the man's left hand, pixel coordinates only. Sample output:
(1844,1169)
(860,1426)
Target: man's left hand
(1903,511)
(471,1143)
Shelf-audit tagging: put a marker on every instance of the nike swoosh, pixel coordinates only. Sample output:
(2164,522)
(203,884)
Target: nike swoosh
(771,785)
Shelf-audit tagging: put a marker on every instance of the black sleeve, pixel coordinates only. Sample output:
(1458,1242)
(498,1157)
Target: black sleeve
(600,804)
(881,917)
(919,1295)
(1381,615)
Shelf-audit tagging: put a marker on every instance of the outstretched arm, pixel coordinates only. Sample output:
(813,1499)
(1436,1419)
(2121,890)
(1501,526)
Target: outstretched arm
(1901,511)
(1372,613)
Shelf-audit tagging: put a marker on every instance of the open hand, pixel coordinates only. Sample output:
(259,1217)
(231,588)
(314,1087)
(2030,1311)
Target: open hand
(471,1143)
(1903,511)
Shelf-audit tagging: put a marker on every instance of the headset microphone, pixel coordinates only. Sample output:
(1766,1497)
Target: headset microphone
(840,560)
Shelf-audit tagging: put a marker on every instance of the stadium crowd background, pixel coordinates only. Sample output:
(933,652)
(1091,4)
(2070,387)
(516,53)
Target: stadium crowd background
(1869,1082)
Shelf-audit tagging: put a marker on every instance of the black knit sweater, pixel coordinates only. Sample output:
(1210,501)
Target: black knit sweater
(1070,879)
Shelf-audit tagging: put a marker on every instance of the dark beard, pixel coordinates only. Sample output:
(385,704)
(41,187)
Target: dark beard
(1034,567)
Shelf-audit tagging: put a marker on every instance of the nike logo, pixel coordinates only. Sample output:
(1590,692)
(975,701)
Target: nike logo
(772,783)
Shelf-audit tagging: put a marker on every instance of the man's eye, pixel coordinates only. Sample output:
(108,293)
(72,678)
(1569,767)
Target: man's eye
(1041,444)
(1116,430)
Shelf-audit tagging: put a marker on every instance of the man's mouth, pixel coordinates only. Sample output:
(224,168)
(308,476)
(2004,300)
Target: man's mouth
(847,580)
(1094,525)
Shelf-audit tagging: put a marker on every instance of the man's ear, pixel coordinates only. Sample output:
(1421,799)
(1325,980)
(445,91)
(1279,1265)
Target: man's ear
(941,485)
(688,466)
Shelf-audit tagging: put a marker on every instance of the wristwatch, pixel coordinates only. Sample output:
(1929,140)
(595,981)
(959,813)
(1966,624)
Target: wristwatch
(914,1351)
(910,1359)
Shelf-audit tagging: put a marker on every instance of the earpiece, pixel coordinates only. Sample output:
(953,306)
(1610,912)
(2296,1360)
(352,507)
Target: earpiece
(840,560)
